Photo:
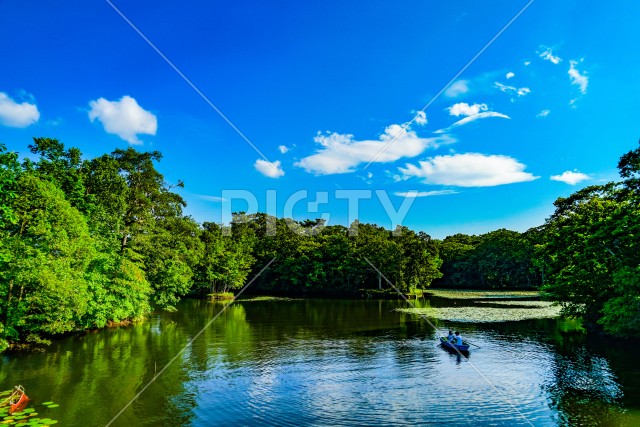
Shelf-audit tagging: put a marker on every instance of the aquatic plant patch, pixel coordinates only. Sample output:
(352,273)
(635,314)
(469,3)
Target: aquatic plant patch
(484,314)
(464,294)
(268,298)
(533,304)
(26,417)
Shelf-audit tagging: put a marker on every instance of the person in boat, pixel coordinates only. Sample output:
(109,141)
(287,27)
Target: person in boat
(451,337)
(458,339)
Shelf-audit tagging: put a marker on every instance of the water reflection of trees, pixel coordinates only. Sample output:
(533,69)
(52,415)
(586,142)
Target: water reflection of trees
(583,389)
(94,376)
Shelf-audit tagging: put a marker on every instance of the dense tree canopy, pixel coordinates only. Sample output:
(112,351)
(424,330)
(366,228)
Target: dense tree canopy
(312,258)
(501,259)
(87,242)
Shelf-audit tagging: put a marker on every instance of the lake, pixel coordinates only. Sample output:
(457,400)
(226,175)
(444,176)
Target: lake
(334,362)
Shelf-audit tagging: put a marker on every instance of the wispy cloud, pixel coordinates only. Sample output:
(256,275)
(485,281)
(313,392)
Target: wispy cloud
(269,169)
(469,170)
(210,198)
(283,148)
(473,118)
(471,112)
(510,75)
(124,118)
(512,90)
(458,88)
(543,113)
(577,78)
(570,177)
(17,115)
(415,193)
(548,55)
(342,153)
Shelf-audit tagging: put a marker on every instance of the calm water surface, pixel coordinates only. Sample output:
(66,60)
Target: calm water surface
(330,362)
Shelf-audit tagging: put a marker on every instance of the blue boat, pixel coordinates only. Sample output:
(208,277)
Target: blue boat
(453,347)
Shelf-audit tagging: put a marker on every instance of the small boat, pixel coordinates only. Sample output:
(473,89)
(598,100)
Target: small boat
(16,401)
(453,347)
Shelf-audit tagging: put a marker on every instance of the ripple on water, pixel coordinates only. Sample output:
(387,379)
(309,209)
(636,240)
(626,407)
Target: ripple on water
(391,376)
(411,382)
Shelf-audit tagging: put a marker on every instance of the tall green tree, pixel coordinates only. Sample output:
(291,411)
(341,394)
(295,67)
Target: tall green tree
(590,252)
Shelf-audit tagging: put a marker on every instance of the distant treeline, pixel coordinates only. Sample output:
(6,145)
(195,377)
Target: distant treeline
(500,259)
(85,243)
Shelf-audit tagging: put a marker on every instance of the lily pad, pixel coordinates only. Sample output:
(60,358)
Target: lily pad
(53,405)
(47,403)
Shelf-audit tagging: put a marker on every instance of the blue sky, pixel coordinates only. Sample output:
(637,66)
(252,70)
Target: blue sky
(321,88)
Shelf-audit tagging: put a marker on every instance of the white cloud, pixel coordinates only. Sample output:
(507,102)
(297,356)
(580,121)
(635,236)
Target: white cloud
(283,148)
(369,175)
(124,118)
(576,78)
(510,75)
(543,113)
(459,87)
(526,63)
(469,170)
(341,153)
(522,91)
(17,115)
(571,178)
(415,193)
(472,113)
(464,109)
(269,169)
(547,55)
(421,118)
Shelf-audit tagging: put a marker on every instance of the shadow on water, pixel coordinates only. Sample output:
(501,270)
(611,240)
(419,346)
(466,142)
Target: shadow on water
(330,362)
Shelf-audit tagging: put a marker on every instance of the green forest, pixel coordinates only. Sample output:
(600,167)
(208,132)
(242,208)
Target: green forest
(89,243)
